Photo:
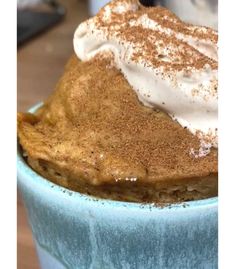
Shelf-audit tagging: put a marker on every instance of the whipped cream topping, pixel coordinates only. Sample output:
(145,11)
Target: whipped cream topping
(171,65)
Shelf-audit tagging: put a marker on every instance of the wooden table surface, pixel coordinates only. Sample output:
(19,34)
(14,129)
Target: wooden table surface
(40,64)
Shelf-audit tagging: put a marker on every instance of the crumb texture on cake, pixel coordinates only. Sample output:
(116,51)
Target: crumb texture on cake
(93,135)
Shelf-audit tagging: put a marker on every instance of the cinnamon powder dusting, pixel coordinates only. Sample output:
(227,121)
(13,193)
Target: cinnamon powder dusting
(158,37)
(93,135)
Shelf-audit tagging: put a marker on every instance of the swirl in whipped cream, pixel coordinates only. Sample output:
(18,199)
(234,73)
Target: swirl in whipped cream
(171,65)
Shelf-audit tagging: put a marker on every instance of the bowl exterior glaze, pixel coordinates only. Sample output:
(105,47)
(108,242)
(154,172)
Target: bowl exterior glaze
(75,231)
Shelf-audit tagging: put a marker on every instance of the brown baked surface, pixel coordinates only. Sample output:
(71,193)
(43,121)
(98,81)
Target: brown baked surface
(94,136)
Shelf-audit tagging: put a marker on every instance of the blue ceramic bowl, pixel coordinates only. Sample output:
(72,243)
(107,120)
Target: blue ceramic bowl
(76,231)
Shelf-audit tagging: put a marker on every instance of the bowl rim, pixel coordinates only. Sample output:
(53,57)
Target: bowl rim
(24,170)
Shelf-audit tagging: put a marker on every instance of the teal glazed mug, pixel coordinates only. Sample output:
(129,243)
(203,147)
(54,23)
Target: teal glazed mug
(76,231)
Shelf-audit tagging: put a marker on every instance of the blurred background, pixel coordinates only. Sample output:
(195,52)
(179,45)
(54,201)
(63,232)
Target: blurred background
(44,37)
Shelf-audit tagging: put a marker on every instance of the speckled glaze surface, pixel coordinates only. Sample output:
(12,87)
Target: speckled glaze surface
(75,231)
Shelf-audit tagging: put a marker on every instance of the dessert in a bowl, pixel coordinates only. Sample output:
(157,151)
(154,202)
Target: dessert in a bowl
(134,116)
(132,123)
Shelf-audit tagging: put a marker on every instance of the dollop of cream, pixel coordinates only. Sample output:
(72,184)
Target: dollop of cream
(171,65)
